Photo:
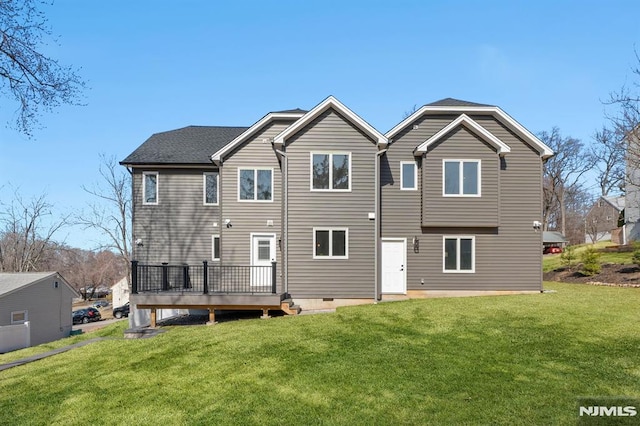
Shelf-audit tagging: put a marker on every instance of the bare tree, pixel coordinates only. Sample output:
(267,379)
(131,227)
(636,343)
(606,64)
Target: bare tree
(111,213)
(35,81)
(561,172)
(26,233)
(608,154)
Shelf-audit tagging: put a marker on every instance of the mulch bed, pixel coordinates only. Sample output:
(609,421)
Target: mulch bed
(610,275)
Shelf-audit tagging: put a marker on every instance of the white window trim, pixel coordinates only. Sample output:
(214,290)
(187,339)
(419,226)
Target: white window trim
(204,188)
(473,254)
(144,188)
(461,178)
(415,176)
(255,185)
(213,247)
(330,154)
(26,317)
(331,256)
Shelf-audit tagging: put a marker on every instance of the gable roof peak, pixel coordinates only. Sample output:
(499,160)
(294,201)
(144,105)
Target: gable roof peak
(331,103)
(456,102)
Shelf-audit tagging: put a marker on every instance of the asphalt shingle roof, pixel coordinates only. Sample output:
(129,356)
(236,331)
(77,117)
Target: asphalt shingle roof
(10,282)
(188,145)
(455,102)
(289,111)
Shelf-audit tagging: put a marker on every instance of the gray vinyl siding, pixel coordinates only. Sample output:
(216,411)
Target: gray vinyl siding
(249,217)
(507,257)
(331,278)
(179,228)
(460,211)
(48,309)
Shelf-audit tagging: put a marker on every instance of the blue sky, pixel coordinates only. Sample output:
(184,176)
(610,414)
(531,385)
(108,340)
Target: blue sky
(158,65)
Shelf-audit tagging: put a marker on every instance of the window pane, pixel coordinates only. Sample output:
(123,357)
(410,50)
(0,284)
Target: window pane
(320,171)
(150,188)
(264,184)
(339,243)
(264,250)
(408,176)
(451,177)
(211,188)
(322,243)
(450,255)
(470,178)
(246,184)
(18,317)
(466,254)
(216,248)
(340,171)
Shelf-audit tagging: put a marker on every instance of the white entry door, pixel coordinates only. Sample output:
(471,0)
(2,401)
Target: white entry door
(394,266)
(263,252)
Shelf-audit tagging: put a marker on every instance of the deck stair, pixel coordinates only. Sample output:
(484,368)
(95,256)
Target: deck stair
(289,308)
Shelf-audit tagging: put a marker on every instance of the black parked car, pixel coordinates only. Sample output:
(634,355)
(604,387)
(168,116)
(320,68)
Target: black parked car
(100,304)
(85,315)
(121,311)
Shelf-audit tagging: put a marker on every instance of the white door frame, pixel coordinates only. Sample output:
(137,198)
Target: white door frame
(404,264)
(256,278)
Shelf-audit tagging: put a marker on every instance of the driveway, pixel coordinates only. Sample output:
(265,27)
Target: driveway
(91,326)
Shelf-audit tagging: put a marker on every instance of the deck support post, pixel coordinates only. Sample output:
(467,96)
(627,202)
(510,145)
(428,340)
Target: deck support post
(212,316)
(265,313)
(153,317)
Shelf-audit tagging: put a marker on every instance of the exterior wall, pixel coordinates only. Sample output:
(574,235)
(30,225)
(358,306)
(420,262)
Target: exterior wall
(120,293)
(249,217)
(48,309)
(331,278)
(179,228)
(507,257)
(460,211)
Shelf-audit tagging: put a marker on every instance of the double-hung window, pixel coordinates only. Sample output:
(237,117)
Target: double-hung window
(255,184)
(461,178)
(459,254)
(330,243)
(408,175)
(331,171)
(150,187)
(210,188)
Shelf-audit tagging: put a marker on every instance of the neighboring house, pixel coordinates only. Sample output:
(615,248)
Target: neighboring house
(120,292)
(603,218)
(321,209)
(41,301)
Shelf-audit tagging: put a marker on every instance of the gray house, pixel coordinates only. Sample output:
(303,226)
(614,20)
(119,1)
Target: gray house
(318,208)
(35,308)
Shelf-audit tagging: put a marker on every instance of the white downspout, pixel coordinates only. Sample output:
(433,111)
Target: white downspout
(376,232)
(285,221)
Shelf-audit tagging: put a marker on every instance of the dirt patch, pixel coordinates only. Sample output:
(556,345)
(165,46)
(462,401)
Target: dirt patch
(611,274)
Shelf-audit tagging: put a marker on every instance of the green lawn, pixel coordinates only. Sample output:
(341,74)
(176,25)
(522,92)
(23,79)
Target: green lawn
(485,360)
(551,262)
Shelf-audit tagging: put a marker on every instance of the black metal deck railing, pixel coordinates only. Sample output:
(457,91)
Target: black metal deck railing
(203,279)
